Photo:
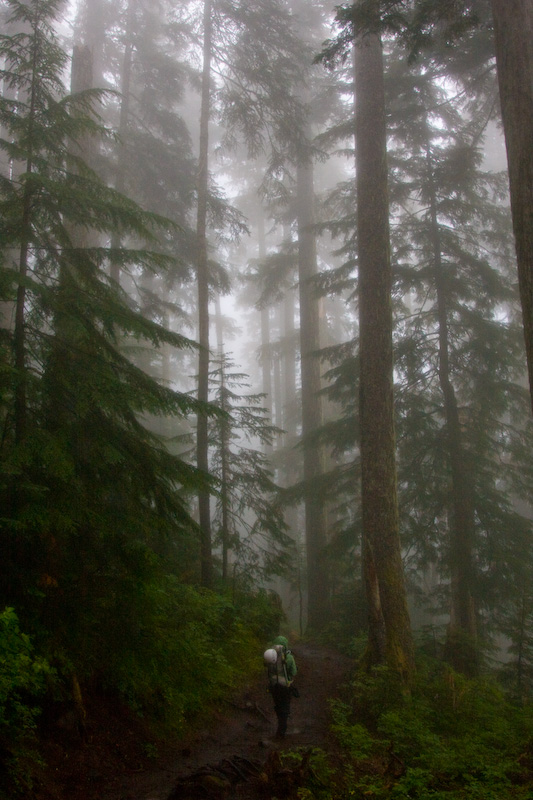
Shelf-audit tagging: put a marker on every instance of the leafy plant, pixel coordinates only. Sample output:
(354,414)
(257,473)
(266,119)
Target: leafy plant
(352,736)
(317,767)
(23,679)
(189,649)
(452,738)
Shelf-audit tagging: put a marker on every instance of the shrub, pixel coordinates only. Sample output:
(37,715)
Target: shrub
(188,651)
(452,738)
(23,678)
(353,737)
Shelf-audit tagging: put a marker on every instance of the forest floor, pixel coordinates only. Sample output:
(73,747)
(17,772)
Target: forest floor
(232,755)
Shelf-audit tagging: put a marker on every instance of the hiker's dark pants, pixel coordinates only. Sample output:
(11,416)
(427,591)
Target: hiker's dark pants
(282,706)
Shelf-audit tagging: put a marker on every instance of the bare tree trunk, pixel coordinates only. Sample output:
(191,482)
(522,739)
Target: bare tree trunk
(81,79)
(122,164)
(202,443)
(91,28)
(289,368)
(513,28)
(378,467)
(219,326)
(10,170)
(315,515)
(377,632)
(277,368)
(291,464)
(225,478)
(266,358)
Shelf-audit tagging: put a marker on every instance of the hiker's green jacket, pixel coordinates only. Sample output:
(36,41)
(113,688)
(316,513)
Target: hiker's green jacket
(290,663)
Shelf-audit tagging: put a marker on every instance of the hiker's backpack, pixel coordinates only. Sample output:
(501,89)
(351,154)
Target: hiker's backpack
(276,664)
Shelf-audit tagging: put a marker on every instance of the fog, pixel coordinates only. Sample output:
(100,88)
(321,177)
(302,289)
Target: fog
(232,127)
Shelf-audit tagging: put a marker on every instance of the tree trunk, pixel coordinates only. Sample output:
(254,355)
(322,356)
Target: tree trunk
(122,163)
(81,79)
(294,596)
(92,29)
(225,475)
(66,342)
(289,369)
(277,380)
(202,272)
(223,437)
(266,358)
(315,518)
(378,467)
(19,334)
(9,169)
(513,27)
(461,638)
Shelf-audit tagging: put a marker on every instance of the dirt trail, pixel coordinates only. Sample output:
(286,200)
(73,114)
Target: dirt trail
(243,729)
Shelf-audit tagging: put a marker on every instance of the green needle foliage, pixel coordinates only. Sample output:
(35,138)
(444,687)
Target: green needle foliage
(456,328)
(91,499)
(248,516)
(457,335)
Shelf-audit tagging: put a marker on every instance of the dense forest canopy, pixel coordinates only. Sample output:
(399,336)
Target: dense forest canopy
(265,327)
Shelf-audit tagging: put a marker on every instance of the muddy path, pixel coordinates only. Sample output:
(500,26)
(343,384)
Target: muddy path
(239,736)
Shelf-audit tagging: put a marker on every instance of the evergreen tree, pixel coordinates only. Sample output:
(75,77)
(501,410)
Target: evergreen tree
(390,638)
(90,496)
(458,333)
(153,160)
(255,103)
(477,316)
(289,189)
(466,239)
(516,623)
(512,47)
(248,517)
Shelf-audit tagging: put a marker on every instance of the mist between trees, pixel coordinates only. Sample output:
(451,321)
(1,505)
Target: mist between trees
(262,333)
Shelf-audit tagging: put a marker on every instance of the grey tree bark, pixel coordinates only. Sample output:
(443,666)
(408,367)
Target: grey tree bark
(389,617)
(513,28)
(202,275)
(315,513)
(125,100)
(266,358)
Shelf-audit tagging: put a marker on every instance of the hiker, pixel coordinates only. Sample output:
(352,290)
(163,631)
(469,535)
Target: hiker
(281,673)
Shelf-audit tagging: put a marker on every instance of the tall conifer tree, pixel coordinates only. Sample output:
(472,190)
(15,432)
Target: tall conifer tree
(88,491)
(391,638)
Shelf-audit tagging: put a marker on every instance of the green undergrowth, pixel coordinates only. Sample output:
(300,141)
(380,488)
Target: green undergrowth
(453,738)
(194,647)
(24,677)
(186,651)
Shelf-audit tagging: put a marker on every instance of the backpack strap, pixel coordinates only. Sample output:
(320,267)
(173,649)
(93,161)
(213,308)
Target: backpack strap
(282,662)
